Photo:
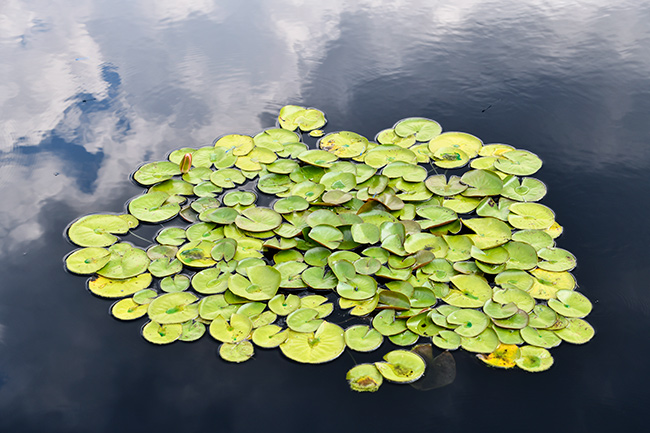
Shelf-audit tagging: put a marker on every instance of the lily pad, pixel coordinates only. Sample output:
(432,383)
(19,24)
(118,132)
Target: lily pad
(111,288)
(570,304)
(518,163)
(236,352)
(97,230)
(344,144)
(363,338)
(87,260)
(155,172)
(326,344)
(577,331)
(401,366)
(364,378)
(127,309)
(157,333)
(422,129)
(534,359)
(154,207)
(504,356)
(176,307)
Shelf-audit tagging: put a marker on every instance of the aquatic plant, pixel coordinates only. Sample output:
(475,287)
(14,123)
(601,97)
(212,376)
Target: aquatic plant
(465,260)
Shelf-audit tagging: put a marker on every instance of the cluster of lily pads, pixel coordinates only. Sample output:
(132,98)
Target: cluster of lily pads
(466,261)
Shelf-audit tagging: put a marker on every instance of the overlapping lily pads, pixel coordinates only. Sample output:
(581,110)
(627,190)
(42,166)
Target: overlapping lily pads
(278,230)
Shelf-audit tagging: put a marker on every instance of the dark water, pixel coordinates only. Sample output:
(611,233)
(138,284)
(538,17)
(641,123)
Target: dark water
(90,89)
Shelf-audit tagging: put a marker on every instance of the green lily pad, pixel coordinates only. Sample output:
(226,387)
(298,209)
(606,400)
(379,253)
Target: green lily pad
(357,288)
(157,333)
(176,307)
(284,305)
(125,262)
(467,143)
(290,204)
(196,254)
(235,330)
(307,119)
(401,366)
(269,336)
(438,184)
(421,324)
(87,260)
(556,260)
(177,283)
(540,337)
(547,283)
(112,288)
(328,236)
(446,340)
(481,183)
(210,281)
(386,323)
(326,344)
(236,352)
(515,278)
(496,310)
(344,144)
(471,322)
(508,336)
(489,208)
(485,342)
(363,338)
(519,320)
(577,331)
(171,236)
(518,163)
(530,216)
(450,157)
(490,232)
(570,304)
(520,298)
(154,207)
(258,219)
(304,320)
(127,309)
(470,291)
(216,305)
(423,129)
(155,172)
(364,378)
(275,139)
(534,359)
(192,331)
(529,190)
(318,278)
(144,296)
(97,230)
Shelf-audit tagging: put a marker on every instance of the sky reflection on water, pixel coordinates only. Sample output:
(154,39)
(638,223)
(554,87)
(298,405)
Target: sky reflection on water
(94,89)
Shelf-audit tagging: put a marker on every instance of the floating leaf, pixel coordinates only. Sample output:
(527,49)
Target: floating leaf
(344,144)
(176,307)
(504,356)
(127,309)
(97,230)
(364,378)
(534,359)
(363,338)
(87,260)
(157,333)
(401,366)
(326,344)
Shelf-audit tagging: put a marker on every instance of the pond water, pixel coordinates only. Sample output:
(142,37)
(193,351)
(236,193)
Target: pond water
(91,89)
